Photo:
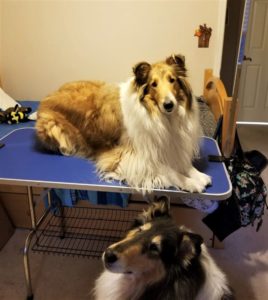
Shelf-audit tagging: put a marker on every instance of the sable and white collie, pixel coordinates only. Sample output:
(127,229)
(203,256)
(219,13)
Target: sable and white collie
(144,131)
(158,260)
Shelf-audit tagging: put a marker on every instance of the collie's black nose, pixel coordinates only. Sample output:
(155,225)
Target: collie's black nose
(168,106)
(110,257)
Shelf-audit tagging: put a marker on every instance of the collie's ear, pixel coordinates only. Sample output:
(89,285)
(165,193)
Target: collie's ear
(196,240)
(158,208)
(190,247)
(141,72)
(161,207)
(176,59)
(185,86)
(139,221)
(178,62)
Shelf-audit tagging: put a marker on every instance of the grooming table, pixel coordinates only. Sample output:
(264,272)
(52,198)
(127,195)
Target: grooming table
(22,163)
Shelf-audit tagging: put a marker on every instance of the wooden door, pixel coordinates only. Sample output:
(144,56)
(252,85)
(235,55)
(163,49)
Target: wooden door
(253,89)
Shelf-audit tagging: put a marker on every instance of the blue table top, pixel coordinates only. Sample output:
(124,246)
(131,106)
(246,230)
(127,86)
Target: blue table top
(22,163)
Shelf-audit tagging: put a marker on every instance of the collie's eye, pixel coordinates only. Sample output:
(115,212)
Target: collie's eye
(154,84)
(153,248)
(171,80)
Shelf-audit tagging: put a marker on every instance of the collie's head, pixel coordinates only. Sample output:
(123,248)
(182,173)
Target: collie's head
(154,246)
(162,87)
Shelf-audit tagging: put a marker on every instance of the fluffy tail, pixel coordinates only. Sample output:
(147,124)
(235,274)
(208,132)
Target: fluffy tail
(57,134)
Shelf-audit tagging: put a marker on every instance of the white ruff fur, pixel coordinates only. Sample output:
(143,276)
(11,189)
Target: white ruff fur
(114,286)
(215,285)
(159,147)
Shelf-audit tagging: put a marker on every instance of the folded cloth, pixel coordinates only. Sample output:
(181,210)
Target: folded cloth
(6,101)
(204,205)
(71,197)
(33,116)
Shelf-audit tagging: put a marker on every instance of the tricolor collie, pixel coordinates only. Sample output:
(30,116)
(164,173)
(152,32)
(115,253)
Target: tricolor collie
(158,260)
(144,131)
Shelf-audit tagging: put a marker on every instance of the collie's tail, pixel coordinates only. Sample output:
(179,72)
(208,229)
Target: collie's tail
(57,134)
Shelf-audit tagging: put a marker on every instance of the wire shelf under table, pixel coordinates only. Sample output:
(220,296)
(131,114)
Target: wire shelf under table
(82,231)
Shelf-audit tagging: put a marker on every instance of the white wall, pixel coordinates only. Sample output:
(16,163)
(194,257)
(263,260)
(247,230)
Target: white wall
(46,43)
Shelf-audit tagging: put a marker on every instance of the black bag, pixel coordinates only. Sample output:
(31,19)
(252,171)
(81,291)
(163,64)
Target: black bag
(249,189)
(225,219)
(247,202)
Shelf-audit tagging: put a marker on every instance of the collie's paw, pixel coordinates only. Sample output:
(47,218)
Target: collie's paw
(204,179)
(110,176)
(193,186)
(67,151)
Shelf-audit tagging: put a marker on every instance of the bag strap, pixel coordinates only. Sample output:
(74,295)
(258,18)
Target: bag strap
(237,151)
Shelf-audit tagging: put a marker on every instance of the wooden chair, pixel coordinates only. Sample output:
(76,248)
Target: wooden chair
(215,95)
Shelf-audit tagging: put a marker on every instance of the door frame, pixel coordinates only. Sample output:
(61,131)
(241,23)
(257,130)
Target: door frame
(233,26)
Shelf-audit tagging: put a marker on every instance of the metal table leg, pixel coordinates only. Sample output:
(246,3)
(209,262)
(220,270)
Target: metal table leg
(35,225)
(27,245)
(27,265)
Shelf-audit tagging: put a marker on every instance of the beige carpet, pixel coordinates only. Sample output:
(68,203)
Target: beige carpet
(244,258)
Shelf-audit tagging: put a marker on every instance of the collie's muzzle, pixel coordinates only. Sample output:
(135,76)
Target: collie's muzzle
(169,104)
